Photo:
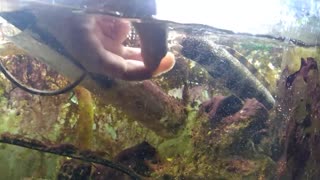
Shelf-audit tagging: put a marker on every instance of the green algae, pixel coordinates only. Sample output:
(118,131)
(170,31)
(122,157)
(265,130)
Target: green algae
(84,125)
(182,144)
(251,46)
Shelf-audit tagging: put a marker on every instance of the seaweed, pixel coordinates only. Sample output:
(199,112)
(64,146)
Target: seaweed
(299,109)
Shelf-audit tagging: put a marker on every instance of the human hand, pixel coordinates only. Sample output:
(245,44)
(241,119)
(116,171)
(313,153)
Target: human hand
(96,42)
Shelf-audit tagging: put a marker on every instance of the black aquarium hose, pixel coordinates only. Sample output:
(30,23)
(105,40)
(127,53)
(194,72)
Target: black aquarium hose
(26,20)
(68,88)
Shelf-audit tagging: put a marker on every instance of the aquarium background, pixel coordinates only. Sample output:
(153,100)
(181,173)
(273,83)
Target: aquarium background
(242,102)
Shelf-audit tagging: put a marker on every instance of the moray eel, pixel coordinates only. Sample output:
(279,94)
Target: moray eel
(223,66)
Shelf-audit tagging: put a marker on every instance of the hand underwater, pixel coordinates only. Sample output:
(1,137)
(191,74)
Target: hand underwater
(96,42)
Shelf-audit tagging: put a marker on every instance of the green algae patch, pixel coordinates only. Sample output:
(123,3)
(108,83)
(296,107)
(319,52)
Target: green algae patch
(182,144)
(84,125)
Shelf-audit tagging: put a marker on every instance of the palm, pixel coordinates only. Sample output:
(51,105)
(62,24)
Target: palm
(96,42)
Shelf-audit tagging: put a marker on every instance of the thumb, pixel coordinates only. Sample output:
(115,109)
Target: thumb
(154,49)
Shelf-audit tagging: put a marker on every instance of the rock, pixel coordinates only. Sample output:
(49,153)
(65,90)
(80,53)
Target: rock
(232,122)
(142,158)
(74,170)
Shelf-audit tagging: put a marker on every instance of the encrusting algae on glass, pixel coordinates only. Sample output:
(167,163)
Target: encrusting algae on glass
(232,106)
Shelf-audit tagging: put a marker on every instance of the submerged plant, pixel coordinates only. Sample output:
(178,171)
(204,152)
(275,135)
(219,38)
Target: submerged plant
(298,116)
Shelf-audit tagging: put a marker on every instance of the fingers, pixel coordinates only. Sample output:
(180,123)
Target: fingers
(111,64)
(102,54)
(153,50)
(136,70)
(116,29)
(132,70)
(132,53)
(111,32)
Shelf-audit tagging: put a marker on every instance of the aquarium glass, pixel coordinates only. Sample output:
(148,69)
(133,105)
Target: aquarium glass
(242,100)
